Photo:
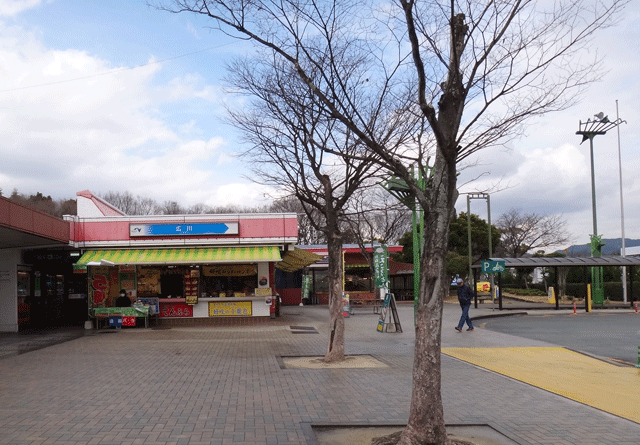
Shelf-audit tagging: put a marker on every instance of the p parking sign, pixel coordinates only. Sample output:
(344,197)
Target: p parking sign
(489,266)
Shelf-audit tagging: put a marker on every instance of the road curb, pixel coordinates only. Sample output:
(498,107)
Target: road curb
(498,315)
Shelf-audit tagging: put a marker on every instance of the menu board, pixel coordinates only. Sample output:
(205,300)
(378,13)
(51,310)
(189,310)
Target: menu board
(149,282)
(191,289)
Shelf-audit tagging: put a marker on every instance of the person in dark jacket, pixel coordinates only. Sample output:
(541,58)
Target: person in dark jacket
(123,300)
(465,295)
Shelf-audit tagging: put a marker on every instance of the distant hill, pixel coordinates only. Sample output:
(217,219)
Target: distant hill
(612,246)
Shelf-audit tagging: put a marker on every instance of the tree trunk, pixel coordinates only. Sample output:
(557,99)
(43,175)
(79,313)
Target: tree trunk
(562,281)
(426,417)
(335,349)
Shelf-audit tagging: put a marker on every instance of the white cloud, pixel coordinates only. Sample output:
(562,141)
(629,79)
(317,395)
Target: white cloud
(241,194)
(68,126)
(10,8)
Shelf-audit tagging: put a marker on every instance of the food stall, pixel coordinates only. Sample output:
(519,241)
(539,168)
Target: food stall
(182,269)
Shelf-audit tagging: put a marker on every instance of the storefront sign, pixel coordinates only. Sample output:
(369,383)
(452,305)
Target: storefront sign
(172,310)
(226,309)
(230,270)
(262,291)
(184,229)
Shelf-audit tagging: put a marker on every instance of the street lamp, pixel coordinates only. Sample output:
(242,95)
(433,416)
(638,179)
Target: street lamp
(400,190)
(487,197)
(600,124)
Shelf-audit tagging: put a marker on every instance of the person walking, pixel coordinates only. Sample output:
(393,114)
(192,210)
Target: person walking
(465,295)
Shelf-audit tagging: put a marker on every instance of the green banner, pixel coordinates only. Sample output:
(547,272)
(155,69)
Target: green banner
(306,286)
(381,267)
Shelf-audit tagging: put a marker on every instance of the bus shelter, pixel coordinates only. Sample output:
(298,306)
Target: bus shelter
(556,262)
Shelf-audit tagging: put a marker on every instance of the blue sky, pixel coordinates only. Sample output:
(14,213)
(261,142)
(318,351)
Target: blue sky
(116,95)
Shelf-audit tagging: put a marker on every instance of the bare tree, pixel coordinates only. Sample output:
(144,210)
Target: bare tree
(374,215)
(475,70)
(375,218)
(297,148)
(522,233)
(129,204)
(307,233)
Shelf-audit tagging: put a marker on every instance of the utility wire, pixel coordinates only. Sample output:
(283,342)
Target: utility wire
(119,70)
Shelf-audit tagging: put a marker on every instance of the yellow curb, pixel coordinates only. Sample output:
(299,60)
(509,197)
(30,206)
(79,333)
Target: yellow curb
(593,382)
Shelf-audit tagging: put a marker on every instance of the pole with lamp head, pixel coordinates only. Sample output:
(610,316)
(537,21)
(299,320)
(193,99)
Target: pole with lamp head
(600,124)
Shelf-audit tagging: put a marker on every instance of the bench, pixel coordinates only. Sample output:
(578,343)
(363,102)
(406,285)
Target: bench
(483,298)
(375,303)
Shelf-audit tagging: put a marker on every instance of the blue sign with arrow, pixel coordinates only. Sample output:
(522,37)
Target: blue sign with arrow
(184,229)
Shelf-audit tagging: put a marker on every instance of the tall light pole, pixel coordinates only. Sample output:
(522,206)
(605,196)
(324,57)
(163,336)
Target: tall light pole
(487,197)
(622,251)
(589,130)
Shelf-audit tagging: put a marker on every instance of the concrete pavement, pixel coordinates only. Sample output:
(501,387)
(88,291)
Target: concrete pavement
(224,385)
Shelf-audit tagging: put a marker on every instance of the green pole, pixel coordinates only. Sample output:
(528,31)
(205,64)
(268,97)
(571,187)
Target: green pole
(469,280)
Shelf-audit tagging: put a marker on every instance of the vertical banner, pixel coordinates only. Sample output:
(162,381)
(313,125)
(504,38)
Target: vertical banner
(98,286)
(381,267)
(306,286)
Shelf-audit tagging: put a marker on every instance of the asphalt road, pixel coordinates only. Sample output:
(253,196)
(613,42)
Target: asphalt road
(609,335)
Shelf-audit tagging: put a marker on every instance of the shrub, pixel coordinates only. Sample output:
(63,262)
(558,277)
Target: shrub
(525,292)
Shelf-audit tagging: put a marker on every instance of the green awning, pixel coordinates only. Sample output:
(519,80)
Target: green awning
(206,255)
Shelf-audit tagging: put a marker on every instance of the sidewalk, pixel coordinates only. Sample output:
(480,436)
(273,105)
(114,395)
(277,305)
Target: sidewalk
(224,385)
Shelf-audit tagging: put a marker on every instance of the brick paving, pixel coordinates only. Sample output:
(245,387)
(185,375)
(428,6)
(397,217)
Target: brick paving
(226,385)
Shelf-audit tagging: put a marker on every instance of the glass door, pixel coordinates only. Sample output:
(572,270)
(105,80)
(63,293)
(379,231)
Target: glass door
(24,298)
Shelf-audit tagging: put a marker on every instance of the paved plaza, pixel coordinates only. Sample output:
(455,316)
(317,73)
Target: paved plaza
(231,385)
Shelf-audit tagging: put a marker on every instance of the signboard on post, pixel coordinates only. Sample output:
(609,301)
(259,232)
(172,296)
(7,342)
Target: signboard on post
(346,305)
(381,267)
(491,267)
(383,312)
(390,311)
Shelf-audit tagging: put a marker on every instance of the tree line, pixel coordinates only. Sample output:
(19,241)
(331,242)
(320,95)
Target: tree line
(44,203)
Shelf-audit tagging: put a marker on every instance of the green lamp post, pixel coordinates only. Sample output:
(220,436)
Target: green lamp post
(400,190)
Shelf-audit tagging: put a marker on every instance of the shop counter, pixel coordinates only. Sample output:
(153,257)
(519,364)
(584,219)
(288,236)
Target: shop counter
(248,306)
(125,313)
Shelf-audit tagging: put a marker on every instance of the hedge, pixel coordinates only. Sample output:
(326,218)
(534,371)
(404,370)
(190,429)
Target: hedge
(612,290)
